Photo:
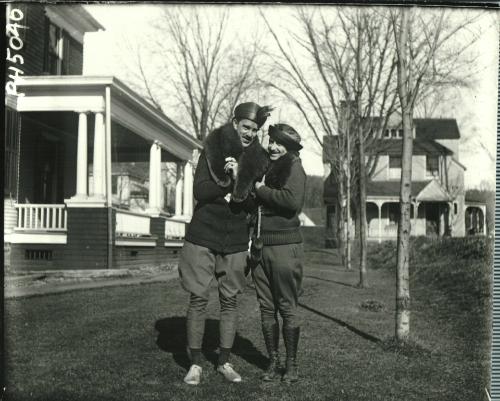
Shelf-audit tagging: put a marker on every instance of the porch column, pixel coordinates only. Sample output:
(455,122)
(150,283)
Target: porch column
(154,178)
(450,218)
(483,208)
(188,189)
(81,166)
(99,157)
(178,190)
(379,207)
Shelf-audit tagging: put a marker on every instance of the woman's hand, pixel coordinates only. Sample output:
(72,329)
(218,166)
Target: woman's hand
(259,184)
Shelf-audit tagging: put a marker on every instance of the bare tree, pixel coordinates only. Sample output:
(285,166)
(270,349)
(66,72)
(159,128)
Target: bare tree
(339,73)
(429,56)
(197,61)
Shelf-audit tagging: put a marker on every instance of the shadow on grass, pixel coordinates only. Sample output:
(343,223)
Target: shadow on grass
(360,333)
(331,281)
(172,339)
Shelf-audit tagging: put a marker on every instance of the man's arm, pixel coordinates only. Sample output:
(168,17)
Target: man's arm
(204,187)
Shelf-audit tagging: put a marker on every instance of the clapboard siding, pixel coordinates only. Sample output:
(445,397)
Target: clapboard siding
(128,257)
(9,215)
(87,244)
(19,262)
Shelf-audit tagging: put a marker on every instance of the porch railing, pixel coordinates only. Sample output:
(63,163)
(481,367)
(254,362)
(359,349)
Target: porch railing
(175,229)
(38,217)
(132,224)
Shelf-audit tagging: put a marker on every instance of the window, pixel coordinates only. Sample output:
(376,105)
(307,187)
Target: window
(395,164)
(63,54)
(54,49)
(12,126)
(393,133)
(432,166)
(114,185)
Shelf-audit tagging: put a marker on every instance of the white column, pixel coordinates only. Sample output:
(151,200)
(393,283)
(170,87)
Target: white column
(379,206)
(178,190)
(99,157)
(81,163)
(483,208)
(188,190)
(154,178)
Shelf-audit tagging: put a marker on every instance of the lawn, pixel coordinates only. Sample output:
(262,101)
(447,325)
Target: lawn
(127,343)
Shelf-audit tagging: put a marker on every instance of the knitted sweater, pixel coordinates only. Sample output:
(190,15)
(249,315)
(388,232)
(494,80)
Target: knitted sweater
(282,200)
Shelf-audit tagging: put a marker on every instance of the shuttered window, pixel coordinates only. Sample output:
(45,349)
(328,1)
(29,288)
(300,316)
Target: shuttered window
(63,54)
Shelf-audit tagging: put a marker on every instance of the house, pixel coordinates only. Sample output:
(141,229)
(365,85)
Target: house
(438,199)
(67,127)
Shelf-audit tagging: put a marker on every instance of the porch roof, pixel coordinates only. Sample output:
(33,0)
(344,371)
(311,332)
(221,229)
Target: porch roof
(429,190)
(88,93)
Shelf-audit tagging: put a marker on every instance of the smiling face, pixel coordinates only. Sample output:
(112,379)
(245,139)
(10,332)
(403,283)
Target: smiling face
(247,130)
(276,150)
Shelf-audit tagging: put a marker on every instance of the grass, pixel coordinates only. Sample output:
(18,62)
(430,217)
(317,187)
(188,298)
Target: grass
(127,343)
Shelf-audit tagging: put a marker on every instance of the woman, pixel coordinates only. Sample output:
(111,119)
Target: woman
(278,277)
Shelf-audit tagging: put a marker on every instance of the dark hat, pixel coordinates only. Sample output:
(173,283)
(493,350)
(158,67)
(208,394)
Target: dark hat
(285,135)
(253,112)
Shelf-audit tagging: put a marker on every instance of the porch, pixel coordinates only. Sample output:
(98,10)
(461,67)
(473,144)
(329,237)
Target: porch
(66,208)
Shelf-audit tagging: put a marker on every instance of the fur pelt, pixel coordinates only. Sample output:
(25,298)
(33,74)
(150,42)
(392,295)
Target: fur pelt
(279,170)
(253,160)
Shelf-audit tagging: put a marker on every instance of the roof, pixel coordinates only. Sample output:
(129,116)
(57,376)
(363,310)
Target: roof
(374,188)
(393,147)
(436,128)
(128,108)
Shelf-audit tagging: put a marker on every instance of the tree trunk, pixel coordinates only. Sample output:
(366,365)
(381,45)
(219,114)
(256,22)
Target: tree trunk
(348,207)
(341,222)
(363,280)
(404,226)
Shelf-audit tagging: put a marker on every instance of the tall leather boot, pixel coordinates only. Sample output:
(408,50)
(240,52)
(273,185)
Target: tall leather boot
(271,338)
(291,337)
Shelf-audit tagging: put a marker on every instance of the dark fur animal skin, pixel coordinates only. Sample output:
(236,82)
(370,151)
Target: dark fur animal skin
(280,170)
(253,160)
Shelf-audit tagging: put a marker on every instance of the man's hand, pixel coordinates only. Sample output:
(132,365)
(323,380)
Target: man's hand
(231,167)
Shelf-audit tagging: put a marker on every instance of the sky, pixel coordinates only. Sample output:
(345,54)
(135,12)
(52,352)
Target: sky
(475,109)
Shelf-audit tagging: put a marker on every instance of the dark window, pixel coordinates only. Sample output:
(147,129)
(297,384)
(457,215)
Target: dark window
(395,162)
(63,54)
(114,185)
(12,127)
(432,165)
(455,208)
(54,47)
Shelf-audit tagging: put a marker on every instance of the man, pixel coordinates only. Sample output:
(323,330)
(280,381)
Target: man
(216,241)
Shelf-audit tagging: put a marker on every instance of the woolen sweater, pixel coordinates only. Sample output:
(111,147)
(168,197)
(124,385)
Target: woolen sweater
(282,199)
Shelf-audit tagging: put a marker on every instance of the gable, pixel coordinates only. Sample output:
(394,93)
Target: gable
(433,192)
